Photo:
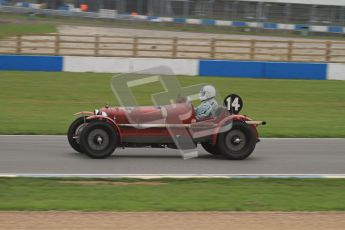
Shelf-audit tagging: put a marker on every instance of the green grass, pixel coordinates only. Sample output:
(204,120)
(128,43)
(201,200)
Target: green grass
(43,102)
(13,29)
(175,195)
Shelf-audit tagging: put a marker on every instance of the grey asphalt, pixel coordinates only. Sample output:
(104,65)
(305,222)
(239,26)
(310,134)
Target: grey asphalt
(53,155)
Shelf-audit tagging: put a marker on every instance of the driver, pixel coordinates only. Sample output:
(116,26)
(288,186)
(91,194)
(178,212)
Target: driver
(209,105)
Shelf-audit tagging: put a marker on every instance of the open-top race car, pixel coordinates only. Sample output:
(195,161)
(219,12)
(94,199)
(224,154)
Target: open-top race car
(99,133)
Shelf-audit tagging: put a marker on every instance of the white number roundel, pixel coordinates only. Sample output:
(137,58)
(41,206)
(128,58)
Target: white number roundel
(233,103)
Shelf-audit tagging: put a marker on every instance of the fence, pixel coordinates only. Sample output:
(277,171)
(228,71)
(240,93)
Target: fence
(167,47)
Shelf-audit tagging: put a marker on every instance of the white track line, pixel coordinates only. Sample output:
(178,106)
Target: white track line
(155,176)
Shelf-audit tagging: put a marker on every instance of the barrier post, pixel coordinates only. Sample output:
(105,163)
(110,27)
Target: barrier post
(328,49)
(213,48)
(96,48)
(289,51)
(57,44)
(174,47)
(252,49)
(19,44)
(135,46)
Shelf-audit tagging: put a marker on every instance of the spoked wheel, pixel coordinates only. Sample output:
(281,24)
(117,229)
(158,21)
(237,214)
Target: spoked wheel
(213,149)
(235,140)
(73,133)
(238,143)
(98,139)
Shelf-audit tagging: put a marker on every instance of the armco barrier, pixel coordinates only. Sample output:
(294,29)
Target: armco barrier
(230,68)
(129,65)
(288,70)
(276,70)
(31,63)
(220,68)
(336,71)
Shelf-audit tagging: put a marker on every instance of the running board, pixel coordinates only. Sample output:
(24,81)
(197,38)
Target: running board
(145,126)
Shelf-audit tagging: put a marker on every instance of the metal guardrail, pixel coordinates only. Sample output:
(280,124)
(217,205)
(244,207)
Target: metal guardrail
(173,47)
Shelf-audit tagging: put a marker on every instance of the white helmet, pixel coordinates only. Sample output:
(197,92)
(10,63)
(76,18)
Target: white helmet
(207,92)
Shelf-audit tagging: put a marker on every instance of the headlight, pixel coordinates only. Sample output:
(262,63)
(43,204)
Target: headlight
(97,112)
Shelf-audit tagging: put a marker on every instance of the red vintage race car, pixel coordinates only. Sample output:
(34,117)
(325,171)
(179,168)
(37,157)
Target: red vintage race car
(99,133)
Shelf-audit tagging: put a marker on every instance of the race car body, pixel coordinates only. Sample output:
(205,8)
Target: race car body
(100,132)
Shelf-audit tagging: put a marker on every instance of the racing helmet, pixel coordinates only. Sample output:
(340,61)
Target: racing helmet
(207,92)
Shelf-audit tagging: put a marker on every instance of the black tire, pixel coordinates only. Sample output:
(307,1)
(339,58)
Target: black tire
(98,139)
(213,149)
(74,131)
(238,143)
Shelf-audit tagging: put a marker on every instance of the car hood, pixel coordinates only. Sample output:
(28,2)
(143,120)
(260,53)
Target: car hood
(174,114)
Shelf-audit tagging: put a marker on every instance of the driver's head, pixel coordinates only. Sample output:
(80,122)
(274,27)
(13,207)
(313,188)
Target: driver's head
(207,92)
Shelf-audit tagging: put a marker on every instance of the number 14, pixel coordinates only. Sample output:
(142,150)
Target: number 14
(234,104)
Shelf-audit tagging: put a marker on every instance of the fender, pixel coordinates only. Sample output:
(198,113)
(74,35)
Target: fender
(111,121)
(84,113)
(231,118)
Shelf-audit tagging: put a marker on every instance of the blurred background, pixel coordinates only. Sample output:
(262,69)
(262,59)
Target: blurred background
(312,12)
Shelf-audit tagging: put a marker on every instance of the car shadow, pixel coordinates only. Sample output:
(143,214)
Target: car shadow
(202,157)
(161,156)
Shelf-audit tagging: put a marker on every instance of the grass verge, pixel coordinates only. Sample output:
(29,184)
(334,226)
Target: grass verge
(43,102)
(13,29)
(173,195)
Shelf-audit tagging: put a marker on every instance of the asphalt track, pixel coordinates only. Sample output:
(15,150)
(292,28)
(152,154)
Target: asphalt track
(53,155)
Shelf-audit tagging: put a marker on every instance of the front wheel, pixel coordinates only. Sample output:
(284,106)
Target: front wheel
(98,139)
(73,133)
(238,143)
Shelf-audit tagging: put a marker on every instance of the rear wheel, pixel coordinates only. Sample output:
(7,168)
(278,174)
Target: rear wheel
(98,139)
(238,143)
(213,149)
(74,131)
